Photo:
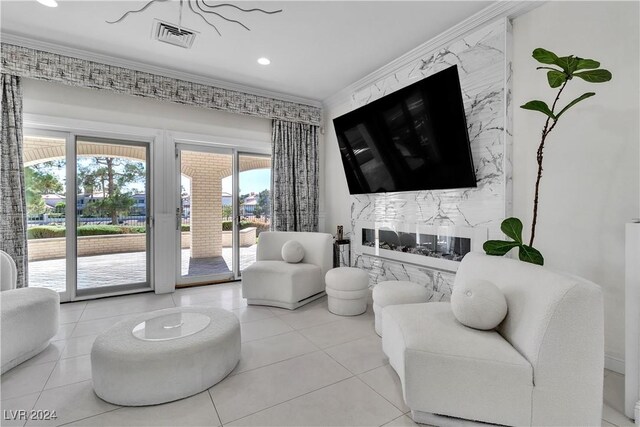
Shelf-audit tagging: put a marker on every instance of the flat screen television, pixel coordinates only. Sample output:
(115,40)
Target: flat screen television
(413,139)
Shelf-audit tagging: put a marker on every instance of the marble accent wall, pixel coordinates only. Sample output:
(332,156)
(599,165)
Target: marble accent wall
(483,61)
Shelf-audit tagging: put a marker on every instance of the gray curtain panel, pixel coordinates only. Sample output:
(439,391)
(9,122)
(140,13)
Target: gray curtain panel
(13,210)
(294,177)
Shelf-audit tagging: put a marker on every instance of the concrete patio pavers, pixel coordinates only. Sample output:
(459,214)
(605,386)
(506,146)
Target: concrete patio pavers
(125,268)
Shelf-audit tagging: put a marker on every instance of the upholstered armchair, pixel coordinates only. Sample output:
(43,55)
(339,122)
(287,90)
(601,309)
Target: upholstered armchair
(273,281)
(29,317)
(543,365)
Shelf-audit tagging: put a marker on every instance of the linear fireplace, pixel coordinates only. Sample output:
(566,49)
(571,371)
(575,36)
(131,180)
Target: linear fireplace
(440,247)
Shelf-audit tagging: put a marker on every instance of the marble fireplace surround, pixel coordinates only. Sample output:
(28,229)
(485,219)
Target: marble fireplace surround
(483,60)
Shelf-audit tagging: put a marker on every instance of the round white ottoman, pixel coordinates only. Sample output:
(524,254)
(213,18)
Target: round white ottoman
(395,292)
(347,290)
(165,355)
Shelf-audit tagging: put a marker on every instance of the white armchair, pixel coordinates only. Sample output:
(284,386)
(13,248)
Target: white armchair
(274,282)
(8,272)
(542,366)
(29,317)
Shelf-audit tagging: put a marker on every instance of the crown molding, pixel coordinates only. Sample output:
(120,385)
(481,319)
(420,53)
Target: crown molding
(500,9)
(151,69)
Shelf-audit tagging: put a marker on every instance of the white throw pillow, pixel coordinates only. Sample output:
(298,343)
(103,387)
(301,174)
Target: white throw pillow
(478,304)
(292,251)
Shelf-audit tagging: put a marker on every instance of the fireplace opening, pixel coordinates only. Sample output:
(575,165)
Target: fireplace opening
(447,247)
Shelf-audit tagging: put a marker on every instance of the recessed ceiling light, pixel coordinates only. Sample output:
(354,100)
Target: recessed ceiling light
(49,3)
(264,61)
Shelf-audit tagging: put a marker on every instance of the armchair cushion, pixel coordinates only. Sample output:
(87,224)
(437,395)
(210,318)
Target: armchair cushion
(269,282)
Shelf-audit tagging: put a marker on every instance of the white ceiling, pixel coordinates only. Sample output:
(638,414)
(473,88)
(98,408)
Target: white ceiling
(316,48)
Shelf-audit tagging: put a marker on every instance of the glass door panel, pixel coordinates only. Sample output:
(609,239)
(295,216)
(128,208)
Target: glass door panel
(45,187)
(112,215)
(205,214)
(254,203)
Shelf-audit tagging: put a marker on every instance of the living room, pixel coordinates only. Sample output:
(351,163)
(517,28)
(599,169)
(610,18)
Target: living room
(227,255)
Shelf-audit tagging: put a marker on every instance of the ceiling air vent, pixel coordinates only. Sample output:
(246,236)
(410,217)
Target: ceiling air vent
(171,34)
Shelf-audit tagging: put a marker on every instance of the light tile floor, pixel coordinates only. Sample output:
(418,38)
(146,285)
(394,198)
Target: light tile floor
(306,367)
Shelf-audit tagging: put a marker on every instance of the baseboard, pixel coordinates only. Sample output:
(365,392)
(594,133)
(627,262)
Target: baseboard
(614,364)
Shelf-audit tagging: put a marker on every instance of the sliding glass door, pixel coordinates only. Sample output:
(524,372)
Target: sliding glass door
(254,204)
(223,205)
(204,216)
(93,237)
(112,215)
(45,172)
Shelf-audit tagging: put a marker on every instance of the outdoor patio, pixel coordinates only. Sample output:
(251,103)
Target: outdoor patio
(124,268)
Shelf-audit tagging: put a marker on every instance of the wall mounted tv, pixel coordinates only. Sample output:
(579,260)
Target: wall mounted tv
(412,139)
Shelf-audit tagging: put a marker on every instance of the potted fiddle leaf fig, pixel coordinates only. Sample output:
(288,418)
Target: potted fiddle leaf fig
(560,71)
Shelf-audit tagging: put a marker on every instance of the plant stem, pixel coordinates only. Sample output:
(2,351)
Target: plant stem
(540,157)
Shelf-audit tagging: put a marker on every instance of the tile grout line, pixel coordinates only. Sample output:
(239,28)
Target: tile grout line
(375,391)
(91,416)
(357,339)
(338,362)
(214,404)
(63,385)
(397,418)
(271,364)
(66,339)
(56,364)
(373,369)
(270,336)
(293,398)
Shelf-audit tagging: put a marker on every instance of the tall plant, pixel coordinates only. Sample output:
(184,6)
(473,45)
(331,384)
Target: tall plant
(560,70)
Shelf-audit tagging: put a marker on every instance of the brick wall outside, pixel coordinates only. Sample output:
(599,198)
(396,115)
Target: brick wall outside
(247,238)
(42,249)
(204,169)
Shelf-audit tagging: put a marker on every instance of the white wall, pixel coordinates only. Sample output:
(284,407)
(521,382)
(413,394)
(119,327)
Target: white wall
(337,203)
(54,99)
(590,186)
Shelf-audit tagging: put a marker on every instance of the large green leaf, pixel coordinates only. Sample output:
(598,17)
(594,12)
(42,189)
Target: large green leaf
(568,63)
(556,78)
(538,106)
(544,56)
(498,247)
(512,227)
(530,254)
(574,102)
(594,76)
(585,64)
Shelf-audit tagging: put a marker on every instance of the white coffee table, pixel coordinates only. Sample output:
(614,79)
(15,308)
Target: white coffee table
(165,355)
